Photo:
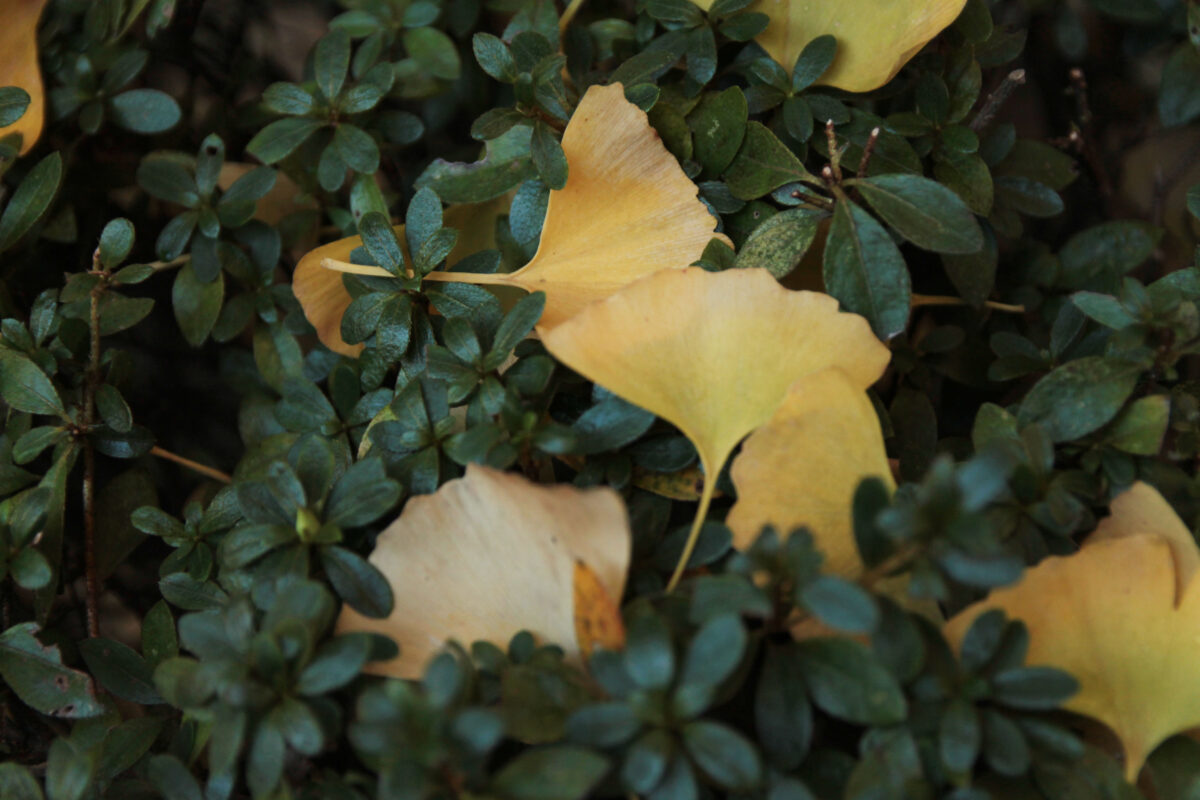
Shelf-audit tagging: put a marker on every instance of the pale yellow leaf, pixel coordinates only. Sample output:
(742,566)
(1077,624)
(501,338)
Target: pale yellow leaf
(492,554)
(875,38)
(803,466)
(714,353)
(626,211)
(1110,615)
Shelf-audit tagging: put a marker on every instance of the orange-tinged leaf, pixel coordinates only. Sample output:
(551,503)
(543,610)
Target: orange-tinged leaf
(875,38)
(803,466)
(598,620)
(323,295)
(1110,615)
(19,66)
(492,554)
(714,353)
(626,211)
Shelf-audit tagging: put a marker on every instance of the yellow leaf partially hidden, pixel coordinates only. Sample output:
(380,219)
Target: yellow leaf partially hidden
(19,66)
(713,353)
(875,38)
(492,554)
(284,199)
(1111,615)
(598,620)
(803,466)
(626,211)
(323,295)
(1140,509)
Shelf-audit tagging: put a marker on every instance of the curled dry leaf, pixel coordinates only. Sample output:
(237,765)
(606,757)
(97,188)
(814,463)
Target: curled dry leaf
(323,295)
(803,466)
(1120,615)
(714,354)
(875,38)
(626,211)
(19,66)
(492,554)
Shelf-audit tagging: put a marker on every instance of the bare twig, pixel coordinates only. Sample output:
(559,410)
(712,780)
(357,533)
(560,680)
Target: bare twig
(835,155)
(90,385)
(868,151)
(995,100)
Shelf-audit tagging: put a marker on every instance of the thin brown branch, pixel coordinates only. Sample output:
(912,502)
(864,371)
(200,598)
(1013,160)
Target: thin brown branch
(90,385)
(919,300)
(868,151)
(996,100)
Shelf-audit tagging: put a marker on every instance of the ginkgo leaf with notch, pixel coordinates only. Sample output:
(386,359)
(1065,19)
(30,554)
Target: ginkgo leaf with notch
(1120,615)
(626,211)
(803,466)
(492,554)
(714,354)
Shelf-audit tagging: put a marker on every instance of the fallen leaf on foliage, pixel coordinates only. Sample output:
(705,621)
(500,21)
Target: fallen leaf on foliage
(492,554)
(323,295)
(875,38)
(626,211)
(803,466)
(1122,616)
(19,66)
(714,353)
(284,199)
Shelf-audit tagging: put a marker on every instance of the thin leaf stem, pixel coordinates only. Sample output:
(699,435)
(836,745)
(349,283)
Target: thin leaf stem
(940,300)
(90,385)
(569,14)
(706,496)
(195,466)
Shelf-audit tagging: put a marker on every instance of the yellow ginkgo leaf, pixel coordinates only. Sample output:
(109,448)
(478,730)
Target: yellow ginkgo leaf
(19,66)
(323,295)
(626,211)
(1111,615)
(803,466)
(714,353)
(1140,509)
(875,38)
(492,554)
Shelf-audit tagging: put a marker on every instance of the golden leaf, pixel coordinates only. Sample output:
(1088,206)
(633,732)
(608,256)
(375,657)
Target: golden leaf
(323,295)
(597,615)
(19,66)
(492,554)
(1111,615)
(626,211)
(713,353)
(875,38)
(803,466)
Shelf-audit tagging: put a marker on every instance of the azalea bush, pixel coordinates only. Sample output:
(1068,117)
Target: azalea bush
(531,401)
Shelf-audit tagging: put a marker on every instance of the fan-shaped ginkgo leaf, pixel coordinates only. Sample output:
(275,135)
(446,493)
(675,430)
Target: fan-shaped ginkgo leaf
(492,554)
(626,211)
(19,66)
(803,466)
(875,38)
(322,293)
(1111,615)
(714,353)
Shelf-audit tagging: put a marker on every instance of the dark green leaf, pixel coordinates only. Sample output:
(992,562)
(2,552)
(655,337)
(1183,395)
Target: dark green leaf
(923,211)
(1079,397)
(781,242)
(277,141)
(31,199)
(718,126)
(197,304)
(864,270)
(357,582)
(724,755)
(36,674)
(846,680)
(25,387)
(762,164)
(145,111)
(548,156)
(814,60)
(553,773)
(120,670)
(331,60)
